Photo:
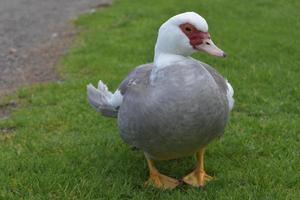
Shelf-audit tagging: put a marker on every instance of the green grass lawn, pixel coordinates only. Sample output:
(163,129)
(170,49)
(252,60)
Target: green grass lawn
(56,147)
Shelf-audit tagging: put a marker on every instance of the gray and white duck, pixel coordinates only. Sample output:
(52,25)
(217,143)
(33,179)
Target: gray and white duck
(176,105)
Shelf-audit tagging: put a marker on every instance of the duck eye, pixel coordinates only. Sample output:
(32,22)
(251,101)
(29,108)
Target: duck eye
(188,29)
(207,43)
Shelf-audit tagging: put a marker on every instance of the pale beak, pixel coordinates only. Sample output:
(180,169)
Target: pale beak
(209,47)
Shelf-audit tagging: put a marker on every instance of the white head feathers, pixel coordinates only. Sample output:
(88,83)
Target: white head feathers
(189,17)
(171,42)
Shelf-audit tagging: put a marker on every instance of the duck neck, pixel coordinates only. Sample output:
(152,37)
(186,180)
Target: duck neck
(168,49)
(162,60)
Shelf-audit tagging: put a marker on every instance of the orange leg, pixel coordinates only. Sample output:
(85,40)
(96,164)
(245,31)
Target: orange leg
(159,180)
(198,177)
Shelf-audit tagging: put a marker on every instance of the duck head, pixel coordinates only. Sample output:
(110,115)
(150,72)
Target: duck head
(185,34)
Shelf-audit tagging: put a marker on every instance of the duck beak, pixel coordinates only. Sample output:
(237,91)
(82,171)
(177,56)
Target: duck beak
(209,47)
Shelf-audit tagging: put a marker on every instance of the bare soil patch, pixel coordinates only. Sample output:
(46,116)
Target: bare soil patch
(34,35)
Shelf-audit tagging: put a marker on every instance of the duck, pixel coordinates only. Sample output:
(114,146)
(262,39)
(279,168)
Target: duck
(176,105)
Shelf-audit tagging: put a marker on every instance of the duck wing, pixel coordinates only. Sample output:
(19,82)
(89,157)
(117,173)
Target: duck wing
(140,75)
(223,83)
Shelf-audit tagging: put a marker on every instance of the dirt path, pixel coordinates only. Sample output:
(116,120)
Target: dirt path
(33,36)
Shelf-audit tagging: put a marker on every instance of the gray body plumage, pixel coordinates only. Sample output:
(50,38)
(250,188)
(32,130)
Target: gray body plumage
(175,114)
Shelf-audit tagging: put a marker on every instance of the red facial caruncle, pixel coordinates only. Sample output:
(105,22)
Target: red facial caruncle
(200,40)
(195,36)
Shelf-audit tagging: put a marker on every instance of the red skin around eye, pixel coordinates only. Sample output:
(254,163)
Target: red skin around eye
(195,36)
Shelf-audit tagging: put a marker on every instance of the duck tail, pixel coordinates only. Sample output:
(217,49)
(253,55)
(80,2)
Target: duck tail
(100,99)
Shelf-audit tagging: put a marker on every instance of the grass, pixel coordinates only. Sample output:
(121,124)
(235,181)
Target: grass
(57,147)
